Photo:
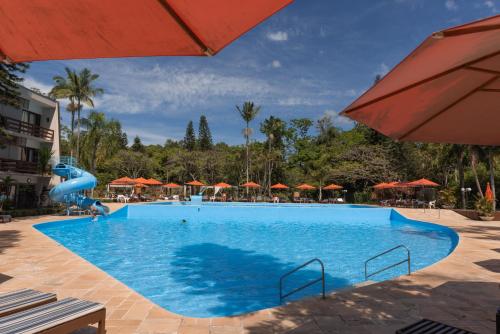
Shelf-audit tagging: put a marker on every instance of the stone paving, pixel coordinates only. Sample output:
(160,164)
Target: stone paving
(462,290)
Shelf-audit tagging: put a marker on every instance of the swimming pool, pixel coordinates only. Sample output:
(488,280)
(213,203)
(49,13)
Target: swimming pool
(226,259)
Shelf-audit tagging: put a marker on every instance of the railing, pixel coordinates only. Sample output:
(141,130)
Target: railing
(321,279)
(19,166)
(19,126)
(391,266)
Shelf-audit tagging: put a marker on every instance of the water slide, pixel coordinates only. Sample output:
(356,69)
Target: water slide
(70,191)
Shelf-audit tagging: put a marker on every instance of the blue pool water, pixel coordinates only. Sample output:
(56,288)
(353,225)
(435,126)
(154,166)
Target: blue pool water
(227,259)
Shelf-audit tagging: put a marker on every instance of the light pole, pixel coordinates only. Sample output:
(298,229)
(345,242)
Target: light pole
(466,192)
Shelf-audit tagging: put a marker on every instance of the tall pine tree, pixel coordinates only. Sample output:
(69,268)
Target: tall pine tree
(204,135)
(137,146)
(190,138)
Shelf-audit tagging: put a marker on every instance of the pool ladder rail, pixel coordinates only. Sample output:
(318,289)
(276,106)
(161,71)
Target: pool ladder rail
(320,279)
(408,259)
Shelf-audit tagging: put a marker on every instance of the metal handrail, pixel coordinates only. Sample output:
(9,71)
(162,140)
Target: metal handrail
(322,279)
(408,259)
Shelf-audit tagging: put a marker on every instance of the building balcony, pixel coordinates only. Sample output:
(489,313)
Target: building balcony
(18,166)
(19,126)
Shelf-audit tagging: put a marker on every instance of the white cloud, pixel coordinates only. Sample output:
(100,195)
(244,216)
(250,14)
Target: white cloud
(276,64)
(491,5)
(451,5)
(30,82)
(172,89)
(338,120)
(300,101)
(278,36)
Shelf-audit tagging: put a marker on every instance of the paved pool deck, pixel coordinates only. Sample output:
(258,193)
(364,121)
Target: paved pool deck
(462,290)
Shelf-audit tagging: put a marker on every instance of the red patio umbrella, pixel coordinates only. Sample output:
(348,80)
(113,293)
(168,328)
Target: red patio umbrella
(279,186)
(305,186)
(196,183)
(422,183)
(488,193)
(141,180)
(333,186)
(153,182)
(123,180)
(32,30)
(172,185)
(250,185)
(222,185)
(446,90)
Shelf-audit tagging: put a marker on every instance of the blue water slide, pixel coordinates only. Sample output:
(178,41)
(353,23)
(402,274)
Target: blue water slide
(71,191)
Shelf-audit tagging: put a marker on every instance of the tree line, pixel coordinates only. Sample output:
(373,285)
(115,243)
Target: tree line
(294,151)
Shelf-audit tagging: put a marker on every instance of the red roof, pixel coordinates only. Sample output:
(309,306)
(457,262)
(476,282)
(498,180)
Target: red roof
(279,186)
(422,183)
(250,185)
(71,29)
(172,185)
(445,91)
(305,186)
(222,185)
(333,186)
(195,183)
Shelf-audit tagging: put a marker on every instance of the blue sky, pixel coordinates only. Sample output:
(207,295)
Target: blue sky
(311,59)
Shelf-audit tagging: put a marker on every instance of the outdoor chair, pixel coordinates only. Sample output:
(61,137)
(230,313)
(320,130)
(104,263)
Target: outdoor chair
(60,317)
(20,300)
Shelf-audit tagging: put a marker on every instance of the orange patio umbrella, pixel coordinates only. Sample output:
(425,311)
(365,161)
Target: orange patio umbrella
(250,185)
(222,185)
(196,183)
(447,90)
(140,185)
(422,183)
(171,185)
(305,186)
(488,193)
(153,182)
(123,180)
(141,180)
(32,30)
(333,186)
(279,186)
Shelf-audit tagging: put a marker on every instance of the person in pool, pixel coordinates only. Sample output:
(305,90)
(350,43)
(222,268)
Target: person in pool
(93,213)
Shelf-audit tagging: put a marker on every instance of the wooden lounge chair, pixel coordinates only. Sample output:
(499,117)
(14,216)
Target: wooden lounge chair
(20,300)
(59,317)
(426,326)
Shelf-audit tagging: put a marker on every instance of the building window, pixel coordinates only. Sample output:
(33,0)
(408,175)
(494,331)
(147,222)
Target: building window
(31,118)
(29,154)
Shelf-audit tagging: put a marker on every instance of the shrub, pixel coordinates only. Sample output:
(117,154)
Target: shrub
(447,197)
(484,207)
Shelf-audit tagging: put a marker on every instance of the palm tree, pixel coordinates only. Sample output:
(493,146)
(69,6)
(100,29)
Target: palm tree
(273,128)
(101,139)
(474,152)
(248,112)
(44,156)
(79,89)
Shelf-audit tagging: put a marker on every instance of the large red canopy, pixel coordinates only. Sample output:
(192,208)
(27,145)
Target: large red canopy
(196,183)
(250,185)
(447,90)
(33,30)
(279,186)
(305,186)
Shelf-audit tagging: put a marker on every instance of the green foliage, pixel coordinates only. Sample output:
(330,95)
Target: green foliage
(137,146)
(44,156)
(484,207)
(204,135)
(190,138)
(447,197)
(9,82)
(362,197)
